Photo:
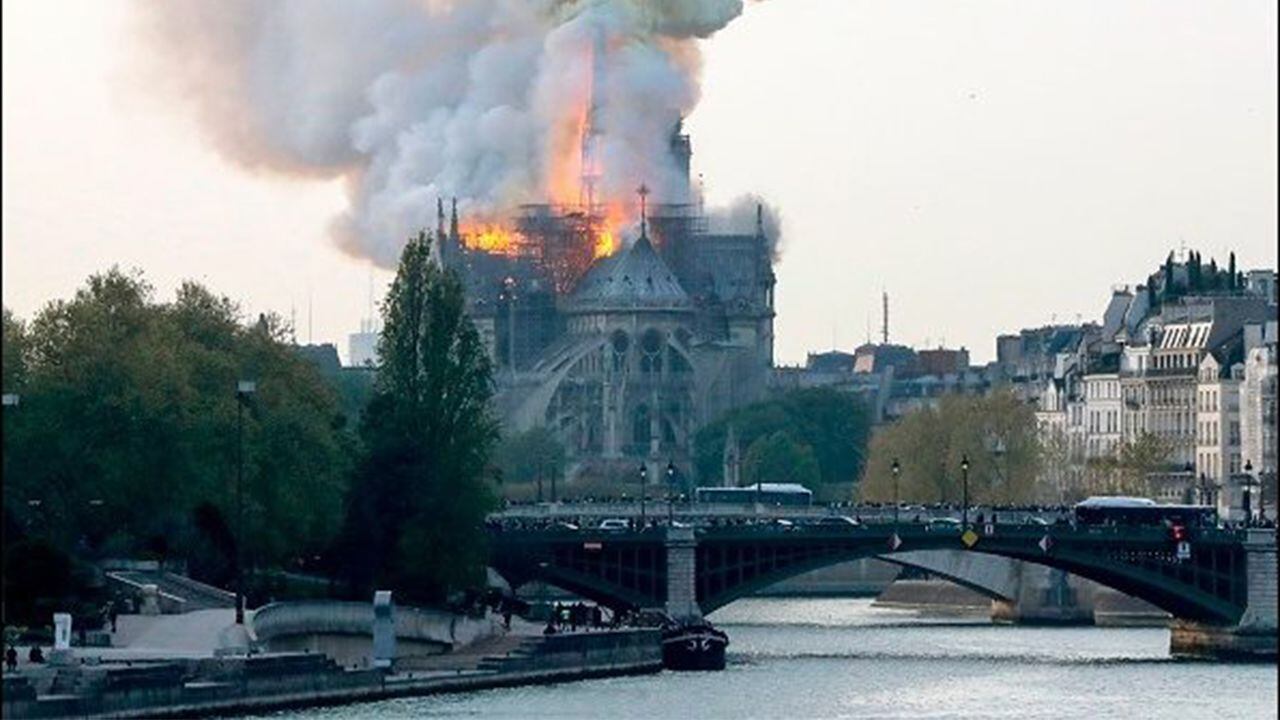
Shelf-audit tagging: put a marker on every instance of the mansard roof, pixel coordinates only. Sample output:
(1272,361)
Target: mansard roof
(636,279)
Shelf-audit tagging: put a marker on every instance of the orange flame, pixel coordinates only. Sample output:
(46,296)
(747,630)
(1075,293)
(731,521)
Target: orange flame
(490,238)
(605,244)
(565,180)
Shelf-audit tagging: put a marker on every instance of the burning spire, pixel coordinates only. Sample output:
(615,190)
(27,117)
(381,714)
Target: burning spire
(592,129)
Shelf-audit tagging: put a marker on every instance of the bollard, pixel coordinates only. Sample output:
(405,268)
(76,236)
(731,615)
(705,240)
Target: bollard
(384,629)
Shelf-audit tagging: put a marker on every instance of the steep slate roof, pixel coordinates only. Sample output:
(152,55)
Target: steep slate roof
(636,279)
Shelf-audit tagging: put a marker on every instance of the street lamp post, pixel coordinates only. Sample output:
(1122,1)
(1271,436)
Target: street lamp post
(244,389)
(964,509)
(644,475)
(1261,485)
(671,484)
(11,400)
(896,469)
(1249,484)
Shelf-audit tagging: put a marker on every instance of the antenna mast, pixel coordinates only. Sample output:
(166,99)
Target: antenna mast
(884,330)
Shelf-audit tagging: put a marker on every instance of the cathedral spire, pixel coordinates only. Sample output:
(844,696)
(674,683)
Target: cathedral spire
(643,192)
(759,219)
(453,222)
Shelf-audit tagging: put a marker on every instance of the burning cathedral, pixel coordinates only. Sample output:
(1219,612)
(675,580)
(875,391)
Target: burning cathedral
(620,326)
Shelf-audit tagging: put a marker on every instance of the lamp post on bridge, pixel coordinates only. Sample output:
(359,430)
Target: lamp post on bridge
(896,469)
(244,389)
(644,476)
(1248,485)
(964,509)
(11,400)
(551,470)
(671,483)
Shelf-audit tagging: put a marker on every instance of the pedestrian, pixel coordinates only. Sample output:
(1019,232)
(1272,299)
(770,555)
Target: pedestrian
(11,658)
(36,655)
(114,614)
(506,618)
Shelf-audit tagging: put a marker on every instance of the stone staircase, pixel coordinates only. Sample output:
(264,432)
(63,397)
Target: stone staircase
(191,594)
(518,655)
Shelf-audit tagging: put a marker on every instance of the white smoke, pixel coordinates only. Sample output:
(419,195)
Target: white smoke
(410,101)
(740,216)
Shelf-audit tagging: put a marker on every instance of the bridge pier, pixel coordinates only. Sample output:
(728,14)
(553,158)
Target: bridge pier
(682,573)
(1045,596)
(1254,637)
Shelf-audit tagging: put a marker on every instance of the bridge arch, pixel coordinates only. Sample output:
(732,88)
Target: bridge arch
(630,569)
(1203,594)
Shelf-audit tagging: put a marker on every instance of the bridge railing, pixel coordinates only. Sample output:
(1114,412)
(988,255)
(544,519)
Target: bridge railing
(658,511)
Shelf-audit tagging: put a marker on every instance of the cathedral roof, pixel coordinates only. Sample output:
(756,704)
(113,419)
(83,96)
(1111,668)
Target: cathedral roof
(636,279)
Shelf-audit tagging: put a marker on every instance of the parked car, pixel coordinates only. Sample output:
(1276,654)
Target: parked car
(944,523)
(839,521)
(614,525)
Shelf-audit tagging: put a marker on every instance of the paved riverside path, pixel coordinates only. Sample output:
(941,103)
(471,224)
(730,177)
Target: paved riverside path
(192,633)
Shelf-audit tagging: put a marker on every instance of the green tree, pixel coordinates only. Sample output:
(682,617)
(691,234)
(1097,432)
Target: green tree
(1231,271)
(128,425)
(833,424)
(1134,461)
(997,432)
(415,515)
(779,458)
(525,457)
(14,352)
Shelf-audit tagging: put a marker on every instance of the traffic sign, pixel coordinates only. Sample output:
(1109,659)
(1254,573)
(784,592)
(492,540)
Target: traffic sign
(1184,550)
(592,546)
(969,538)
(989,529)
(1045,543)
(895,542)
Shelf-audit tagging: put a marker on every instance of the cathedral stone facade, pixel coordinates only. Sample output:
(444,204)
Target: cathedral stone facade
(626,361)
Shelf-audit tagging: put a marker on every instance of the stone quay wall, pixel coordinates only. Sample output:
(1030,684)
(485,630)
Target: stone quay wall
(261,683)
(344,630)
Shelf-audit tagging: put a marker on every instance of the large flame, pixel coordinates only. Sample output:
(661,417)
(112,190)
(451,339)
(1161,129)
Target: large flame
(489,237)
(573,170)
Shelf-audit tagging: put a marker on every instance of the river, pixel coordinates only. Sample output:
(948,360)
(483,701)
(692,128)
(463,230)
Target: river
(841,658)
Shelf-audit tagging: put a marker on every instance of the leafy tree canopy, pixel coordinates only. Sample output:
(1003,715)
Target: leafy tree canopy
(997,433)
(834,425)
(415,516)
(128,423)
(779,458)
(523,457)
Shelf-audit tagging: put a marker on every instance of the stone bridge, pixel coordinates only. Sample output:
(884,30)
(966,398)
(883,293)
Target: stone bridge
(1223,595)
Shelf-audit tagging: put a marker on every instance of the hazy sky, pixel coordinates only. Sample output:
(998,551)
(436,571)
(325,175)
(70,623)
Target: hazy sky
(991,165)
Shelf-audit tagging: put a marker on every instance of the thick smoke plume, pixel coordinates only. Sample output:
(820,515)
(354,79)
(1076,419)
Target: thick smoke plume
(410,101)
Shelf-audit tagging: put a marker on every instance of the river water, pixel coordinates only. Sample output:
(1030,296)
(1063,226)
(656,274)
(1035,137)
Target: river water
(842,658)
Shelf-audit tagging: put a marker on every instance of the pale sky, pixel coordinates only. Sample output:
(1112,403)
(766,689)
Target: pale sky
(992,165)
